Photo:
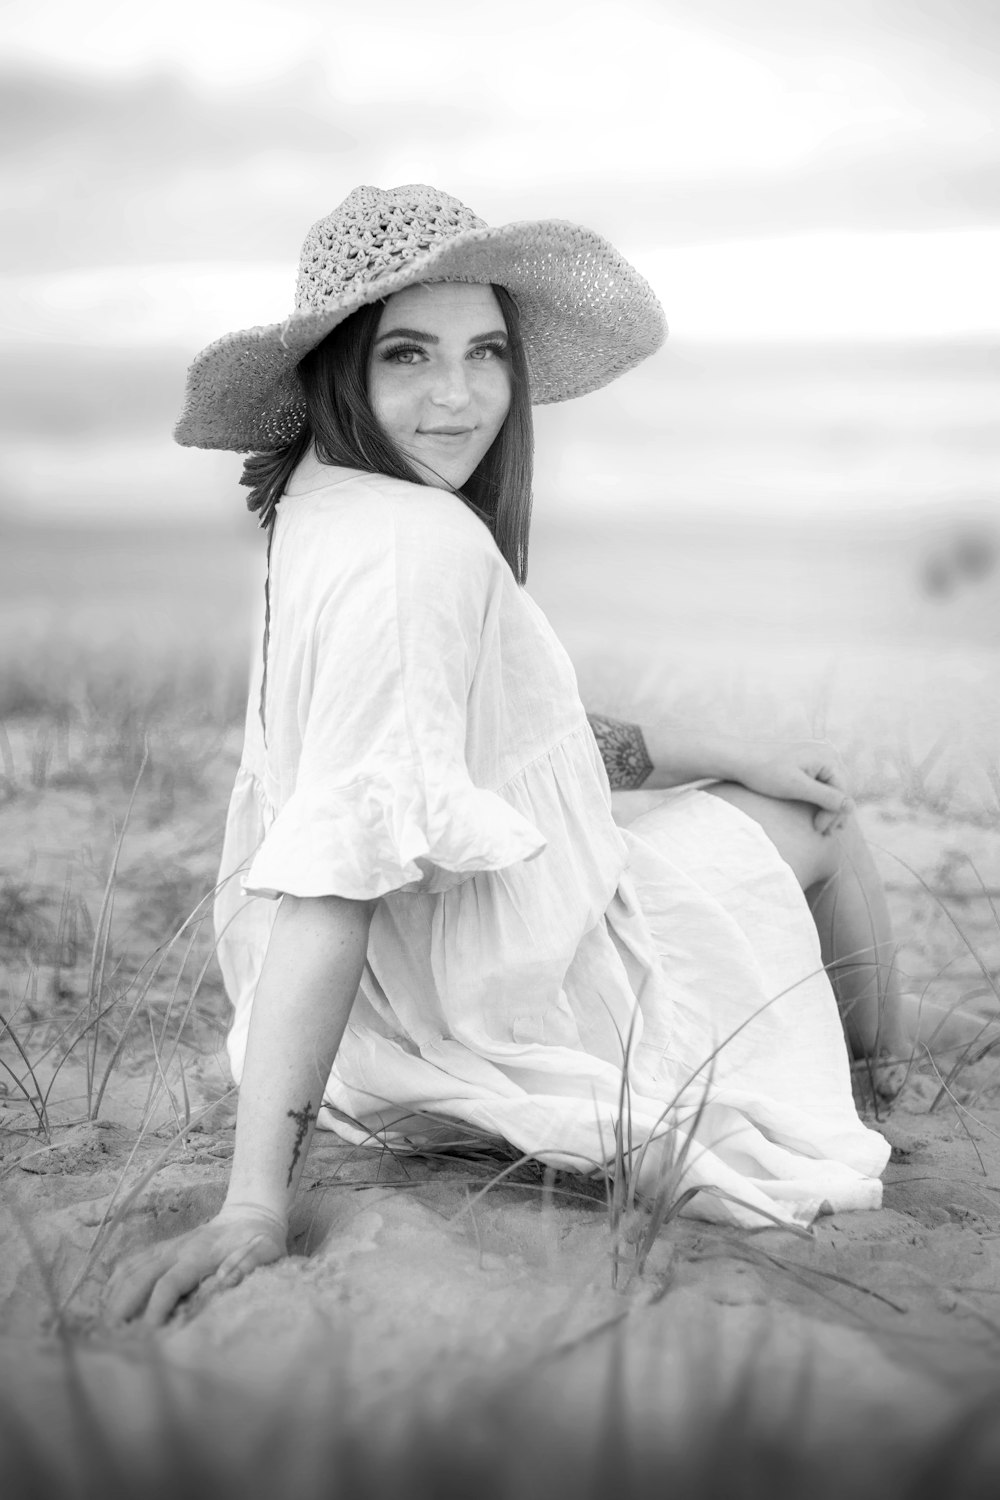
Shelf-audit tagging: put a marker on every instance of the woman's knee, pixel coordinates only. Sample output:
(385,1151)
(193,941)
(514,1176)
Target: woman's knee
(814,857)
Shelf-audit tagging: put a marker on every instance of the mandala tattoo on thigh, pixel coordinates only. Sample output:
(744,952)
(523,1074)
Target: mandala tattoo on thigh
(623,751)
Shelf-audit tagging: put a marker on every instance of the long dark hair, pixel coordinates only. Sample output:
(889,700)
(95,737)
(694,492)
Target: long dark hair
(341,424)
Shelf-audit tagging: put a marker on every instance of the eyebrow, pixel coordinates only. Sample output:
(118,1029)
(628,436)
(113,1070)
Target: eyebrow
(432,338)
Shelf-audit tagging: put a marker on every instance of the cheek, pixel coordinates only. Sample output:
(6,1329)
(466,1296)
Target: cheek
(387,398)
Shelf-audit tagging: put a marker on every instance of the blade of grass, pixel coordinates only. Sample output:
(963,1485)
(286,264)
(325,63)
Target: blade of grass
(39,1109)
(751,1251)
(102,935)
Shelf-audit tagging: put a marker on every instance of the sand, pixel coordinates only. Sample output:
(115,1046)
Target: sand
(433,1330)
(412,1281)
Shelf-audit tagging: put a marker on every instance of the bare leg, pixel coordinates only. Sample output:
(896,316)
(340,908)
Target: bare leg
(844,891)
(859,948)
(899,1023)
(842,886)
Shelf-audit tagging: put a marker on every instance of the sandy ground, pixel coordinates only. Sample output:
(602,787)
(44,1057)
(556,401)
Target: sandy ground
(422,1295)
(405,1287)
(416,1280)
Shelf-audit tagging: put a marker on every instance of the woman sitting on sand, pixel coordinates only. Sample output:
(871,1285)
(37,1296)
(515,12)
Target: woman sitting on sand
(453,918)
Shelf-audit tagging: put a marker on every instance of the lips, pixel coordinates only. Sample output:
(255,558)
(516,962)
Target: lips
(446,431)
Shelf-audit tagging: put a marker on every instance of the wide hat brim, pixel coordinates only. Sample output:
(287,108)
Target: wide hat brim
(587,316)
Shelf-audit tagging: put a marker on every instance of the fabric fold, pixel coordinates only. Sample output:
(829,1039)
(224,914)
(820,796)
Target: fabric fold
(427,746)
(389,832)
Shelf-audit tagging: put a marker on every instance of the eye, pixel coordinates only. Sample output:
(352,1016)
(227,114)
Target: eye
(484,352)
(402,354)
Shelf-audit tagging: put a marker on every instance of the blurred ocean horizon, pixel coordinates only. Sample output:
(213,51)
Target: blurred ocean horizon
(787,499)
(810,466)
(814,432)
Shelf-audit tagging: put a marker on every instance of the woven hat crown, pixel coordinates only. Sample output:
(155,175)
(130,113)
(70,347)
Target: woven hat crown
(371,234)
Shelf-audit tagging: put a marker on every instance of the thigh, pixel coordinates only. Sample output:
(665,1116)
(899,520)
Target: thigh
(789,825)
(626,806)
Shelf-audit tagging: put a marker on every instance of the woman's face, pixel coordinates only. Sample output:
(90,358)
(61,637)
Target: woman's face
(439,377)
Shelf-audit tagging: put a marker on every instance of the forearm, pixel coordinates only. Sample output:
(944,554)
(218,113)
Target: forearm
(303,999)
(663,755)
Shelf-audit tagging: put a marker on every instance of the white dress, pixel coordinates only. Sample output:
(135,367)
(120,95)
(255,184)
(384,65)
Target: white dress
(426,744)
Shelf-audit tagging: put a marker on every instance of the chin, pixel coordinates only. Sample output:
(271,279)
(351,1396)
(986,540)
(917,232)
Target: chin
(441,477)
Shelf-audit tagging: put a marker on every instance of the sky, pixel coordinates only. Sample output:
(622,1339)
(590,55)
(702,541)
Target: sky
(841,159)
(777,169)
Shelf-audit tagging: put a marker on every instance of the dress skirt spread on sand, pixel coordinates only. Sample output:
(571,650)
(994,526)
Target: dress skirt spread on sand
(426,744)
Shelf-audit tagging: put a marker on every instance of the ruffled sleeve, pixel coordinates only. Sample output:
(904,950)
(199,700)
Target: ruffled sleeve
(379,618)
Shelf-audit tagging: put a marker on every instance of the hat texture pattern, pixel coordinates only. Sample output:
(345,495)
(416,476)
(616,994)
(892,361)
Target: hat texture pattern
(587,316)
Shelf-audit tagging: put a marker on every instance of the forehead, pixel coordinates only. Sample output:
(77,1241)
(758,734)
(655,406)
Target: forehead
(432,305)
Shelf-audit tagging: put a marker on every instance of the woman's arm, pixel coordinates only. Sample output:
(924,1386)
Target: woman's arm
(652,757)
(660,756)
(307,986)
(304,996)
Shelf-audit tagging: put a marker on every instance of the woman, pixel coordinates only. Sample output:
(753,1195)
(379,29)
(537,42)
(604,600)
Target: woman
(464,931)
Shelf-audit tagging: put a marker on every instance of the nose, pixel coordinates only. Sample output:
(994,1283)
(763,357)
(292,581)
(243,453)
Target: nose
(451,388)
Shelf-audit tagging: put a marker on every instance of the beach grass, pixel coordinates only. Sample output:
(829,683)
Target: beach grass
(123,978)
(115,764)
(500,1437)
(110,965)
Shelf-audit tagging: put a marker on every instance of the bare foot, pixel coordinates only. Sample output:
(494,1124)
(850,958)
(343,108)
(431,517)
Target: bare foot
(888,1077)
(879,1080)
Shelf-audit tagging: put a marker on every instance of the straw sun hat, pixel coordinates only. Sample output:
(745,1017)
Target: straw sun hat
(586,315)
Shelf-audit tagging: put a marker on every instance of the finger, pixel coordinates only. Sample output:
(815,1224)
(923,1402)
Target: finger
(182,1274)
(828,798)
(157,1278)
(241,1262)
(830,773)
(171,1287)
(132,1281)
(825,821)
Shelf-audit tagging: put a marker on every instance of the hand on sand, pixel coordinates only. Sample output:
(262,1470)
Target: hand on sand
(150,1284)
(800,771)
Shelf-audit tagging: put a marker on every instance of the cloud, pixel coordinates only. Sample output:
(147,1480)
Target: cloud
(960,35)
(152,167)
(157,119)
(677,124)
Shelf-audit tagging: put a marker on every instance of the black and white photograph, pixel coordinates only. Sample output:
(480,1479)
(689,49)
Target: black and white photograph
(500,750)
